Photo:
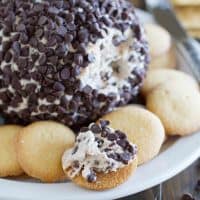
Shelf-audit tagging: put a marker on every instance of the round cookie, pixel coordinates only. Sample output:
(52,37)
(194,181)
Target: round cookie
(40,147)
(142,127)
(160,76)
(154,33)
(166,60)
(101,158)
(9,165)
(177,104)
(108,181)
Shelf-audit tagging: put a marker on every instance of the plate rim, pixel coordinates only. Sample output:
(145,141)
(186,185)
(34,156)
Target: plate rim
(118,192)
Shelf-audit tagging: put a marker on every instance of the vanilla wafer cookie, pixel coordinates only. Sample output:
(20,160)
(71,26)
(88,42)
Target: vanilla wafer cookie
(9,165)
(40,147)
(158,77)
(155,32)
(177,104)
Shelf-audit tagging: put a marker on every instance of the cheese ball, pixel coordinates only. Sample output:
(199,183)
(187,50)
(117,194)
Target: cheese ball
(68,61)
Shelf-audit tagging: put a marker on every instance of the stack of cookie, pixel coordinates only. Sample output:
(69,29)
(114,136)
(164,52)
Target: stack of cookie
(174,97)
(188,12)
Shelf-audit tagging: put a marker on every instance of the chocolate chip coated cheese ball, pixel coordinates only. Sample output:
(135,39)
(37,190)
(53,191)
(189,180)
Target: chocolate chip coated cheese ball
(68,60)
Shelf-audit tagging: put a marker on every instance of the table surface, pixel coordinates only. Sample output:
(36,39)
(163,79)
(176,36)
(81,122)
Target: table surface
(173,189)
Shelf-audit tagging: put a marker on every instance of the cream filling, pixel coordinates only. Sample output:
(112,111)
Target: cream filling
(90,156)
(109,57)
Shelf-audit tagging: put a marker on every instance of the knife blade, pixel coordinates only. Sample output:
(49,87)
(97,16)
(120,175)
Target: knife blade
(189,48)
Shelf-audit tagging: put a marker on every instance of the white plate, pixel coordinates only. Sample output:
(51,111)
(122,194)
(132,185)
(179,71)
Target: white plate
(175,156)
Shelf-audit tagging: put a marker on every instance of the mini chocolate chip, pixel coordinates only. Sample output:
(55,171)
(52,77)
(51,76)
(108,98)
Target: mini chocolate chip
(42,20)
(91,177)
(50,98)
(53,10)
(100,142)
(8,56)
(6,46)
(41,47)
(58,86)
(69,17)
(71,27)
(61,50)
(107,21)
(68,38)
(16,47)
(39,33)
(22,63)
(83,35)
(61,30)
(42,59)
(38,7)
(122,143)
(65,73)
(117,40)
(197,188)
(104,123)
(91,58)
(87,89)
(15,37)
(95,128)
(107,149)
(23,38)
(53,60)
(20,28)
(137,31)
(104,134)
(96,162)
(187,196)
(125,15)
(120,134)
(1,56)
(16,84)
(25,51)
(34,56)
(125,157)
(84,129)
(58,4)
(73,106)
(131,149)
(76,164)
(61,110)
(51,42)
(114,156)
(75,150)
(78,59)
(33,42)
(112,137)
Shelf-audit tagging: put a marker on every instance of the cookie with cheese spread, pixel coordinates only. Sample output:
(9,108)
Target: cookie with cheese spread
(102,158)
